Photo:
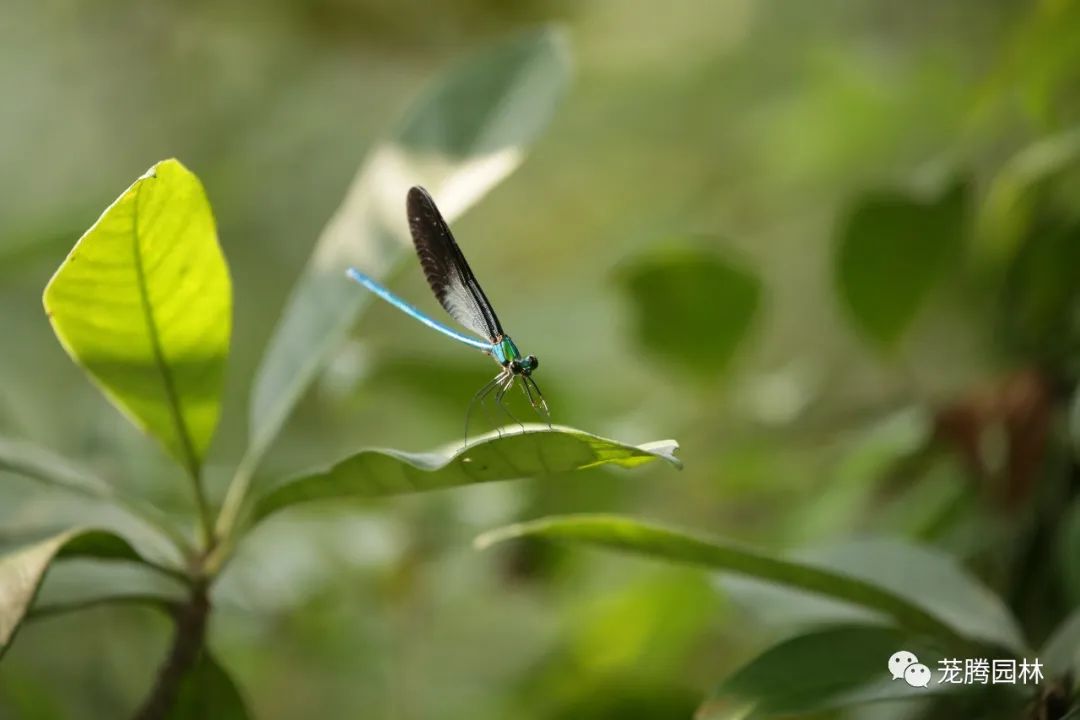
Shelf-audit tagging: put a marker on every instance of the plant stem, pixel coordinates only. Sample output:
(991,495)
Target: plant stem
(187,646)
(206,523)
(235,497)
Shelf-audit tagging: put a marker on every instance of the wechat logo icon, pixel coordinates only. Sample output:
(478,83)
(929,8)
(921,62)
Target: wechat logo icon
(903,665)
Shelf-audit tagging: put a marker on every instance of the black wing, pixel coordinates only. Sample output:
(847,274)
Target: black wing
(449,275)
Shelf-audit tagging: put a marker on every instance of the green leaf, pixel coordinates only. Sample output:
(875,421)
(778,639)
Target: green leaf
(207,691)
(23,568)
(98,501)
(165,601)
(541,451)
(970,613)
(143,304)
(35,462)
(84,581)
(928,578)
(891,252)
(1074,423)
(703,291)
(1061,653)
(1067,550)
(1006,214)
(459,140)
(1041,295)
(822,669)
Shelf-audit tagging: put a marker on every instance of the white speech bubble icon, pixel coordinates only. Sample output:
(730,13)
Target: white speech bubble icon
(917,675)
(899,662)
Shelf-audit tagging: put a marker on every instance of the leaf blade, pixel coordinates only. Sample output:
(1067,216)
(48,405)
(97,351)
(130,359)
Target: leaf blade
(42,465)
(1010,201)
(703,290)
(208,691)
(622,533)
(891,252)
(1061,652)
(143,304)
(22,570)
(38,463)
(381,473)
(789,678)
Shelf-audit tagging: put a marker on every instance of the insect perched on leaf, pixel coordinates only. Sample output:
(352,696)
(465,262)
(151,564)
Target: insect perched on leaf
(457,290)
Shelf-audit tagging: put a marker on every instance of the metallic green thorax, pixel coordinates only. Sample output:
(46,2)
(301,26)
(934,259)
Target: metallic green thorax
(505,350)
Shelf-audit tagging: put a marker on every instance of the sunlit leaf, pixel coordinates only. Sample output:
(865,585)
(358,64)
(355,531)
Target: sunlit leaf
(892,250)
(459,140)
(882,582)
(691,288)
(540,451)
(23,567)
(143,304)
(207,691)
(821,669)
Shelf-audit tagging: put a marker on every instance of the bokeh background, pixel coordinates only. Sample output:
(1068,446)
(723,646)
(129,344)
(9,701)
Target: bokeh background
(672,249)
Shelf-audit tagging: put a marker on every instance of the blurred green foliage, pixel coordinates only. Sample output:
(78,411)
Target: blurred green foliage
(700,291)
(893,251)
(812,150)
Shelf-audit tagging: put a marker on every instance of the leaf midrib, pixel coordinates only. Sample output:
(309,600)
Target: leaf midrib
(190,458)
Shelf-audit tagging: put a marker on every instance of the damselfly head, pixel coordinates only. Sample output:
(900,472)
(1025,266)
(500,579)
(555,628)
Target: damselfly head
(524,366)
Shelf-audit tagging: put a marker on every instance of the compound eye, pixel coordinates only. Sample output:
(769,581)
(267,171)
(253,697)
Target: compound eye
(515,367)
(533,362)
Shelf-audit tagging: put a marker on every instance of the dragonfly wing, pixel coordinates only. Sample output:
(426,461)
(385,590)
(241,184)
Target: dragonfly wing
(447,272)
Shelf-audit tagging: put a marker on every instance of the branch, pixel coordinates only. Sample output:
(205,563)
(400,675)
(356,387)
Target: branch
(186,648)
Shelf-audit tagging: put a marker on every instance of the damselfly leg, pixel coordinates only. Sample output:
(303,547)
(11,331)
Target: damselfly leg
(479,397)
(538,403)
(509,383)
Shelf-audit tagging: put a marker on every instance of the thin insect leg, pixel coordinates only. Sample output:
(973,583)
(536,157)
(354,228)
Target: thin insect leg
(532,400)
(491,417)
(499,401)
(479,398)
(541,406)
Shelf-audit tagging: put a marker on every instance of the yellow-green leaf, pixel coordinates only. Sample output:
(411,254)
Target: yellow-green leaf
(144,304)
